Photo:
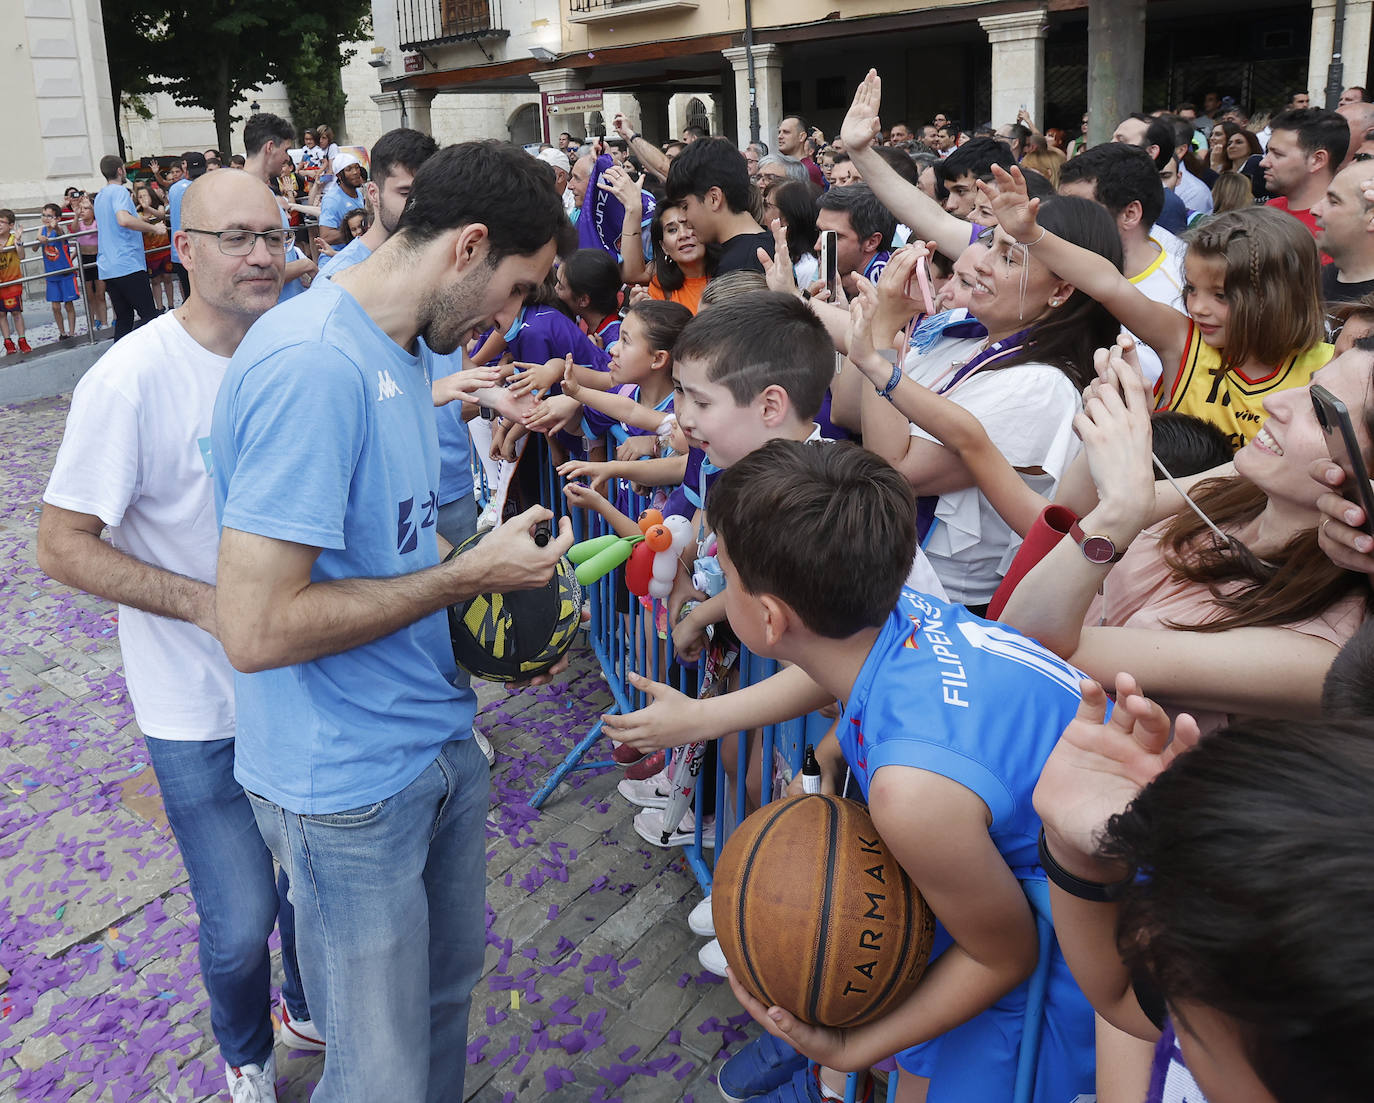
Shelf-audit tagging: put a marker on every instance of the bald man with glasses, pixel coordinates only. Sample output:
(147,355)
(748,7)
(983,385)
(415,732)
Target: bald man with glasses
(135,457)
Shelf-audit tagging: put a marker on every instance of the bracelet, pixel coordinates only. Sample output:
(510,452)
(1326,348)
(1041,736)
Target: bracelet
(1093,891)
(633,135)
(1037,241)
(886,392)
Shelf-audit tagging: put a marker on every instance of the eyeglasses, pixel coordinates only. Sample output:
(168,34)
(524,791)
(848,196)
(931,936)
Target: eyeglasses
(239,243)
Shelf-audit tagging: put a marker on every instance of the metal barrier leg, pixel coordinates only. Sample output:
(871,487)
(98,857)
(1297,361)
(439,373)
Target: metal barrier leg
(571,761)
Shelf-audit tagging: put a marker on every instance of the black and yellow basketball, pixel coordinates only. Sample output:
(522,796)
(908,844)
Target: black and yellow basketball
(510,637)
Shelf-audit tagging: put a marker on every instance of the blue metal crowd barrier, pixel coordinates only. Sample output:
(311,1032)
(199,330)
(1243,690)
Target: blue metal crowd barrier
(625,642)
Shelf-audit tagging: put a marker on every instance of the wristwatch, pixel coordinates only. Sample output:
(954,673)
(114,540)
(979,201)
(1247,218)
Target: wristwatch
(1095,549)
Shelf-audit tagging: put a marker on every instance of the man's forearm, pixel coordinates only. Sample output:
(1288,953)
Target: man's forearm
(86,562)
(650,156)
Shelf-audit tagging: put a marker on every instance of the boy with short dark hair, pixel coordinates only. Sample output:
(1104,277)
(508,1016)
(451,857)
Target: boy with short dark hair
(711,181)
(947,722)
(11,290)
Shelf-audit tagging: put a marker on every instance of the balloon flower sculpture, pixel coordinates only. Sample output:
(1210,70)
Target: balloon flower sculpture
(652,555)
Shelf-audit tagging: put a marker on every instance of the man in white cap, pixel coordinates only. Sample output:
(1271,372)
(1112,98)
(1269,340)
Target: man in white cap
(346,195)
(557,160)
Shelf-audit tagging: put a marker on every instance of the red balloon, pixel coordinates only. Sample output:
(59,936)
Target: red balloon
(639,571)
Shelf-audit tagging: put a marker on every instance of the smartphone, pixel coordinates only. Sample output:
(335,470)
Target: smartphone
(1344,448)
(829,272)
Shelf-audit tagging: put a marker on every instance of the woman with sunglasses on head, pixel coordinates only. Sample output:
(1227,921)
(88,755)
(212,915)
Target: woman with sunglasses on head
(678,267)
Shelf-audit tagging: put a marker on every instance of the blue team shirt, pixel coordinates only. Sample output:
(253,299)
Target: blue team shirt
(119,250)
(455,443)
(174,196)
(337,203)
(945,691)
(355,252)
(324,435)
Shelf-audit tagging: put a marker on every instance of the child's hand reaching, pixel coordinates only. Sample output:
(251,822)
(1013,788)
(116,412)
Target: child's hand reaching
(552,414)
(462,386)
(571,386)
(536,379)
(1016,211)
(1097,768)
(689,637)
(584,497)
(596,474)
(636,448)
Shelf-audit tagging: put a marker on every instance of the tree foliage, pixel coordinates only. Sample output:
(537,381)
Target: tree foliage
(314,88)
(212,53)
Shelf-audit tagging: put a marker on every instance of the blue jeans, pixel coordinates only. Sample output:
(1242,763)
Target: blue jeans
(236,896)
(391,928)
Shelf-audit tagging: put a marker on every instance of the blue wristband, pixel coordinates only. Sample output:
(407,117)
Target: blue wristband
(886,392)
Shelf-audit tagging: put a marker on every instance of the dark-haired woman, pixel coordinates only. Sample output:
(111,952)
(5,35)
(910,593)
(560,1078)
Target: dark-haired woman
(1244,619)
(1022,378)
(793,203)
(678,268)
(1232,148)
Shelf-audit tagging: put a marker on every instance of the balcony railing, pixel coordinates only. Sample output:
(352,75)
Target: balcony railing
(425,22)
(595,11)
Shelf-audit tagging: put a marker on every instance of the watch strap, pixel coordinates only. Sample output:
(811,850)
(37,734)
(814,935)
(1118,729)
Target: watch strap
(1081,538)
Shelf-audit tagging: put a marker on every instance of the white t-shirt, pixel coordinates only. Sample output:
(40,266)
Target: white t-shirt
(1027,411)
(1161,281)
(136,454)
(1193,192)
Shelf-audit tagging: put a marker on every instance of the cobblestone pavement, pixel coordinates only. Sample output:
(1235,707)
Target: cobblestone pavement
(592,991)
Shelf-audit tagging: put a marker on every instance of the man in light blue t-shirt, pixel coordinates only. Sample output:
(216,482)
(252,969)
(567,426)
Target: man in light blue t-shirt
(120,259)
(346,195)
(192,168)
(353,741)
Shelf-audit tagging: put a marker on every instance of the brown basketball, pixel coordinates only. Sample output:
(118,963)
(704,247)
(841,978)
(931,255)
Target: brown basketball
(815,915)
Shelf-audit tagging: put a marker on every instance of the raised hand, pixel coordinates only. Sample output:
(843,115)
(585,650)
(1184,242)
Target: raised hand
(777,269)
(1116,431)
(1099,765)
(1016,211)
(624,187)
(861,126)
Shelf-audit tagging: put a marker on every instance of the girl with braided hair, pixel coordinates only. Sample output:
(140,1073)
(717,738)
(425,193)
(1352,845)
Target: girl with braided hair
(1252,295)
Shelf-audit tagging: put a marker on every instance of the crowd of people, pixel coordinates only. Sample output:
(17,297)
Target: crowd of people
(1005,444)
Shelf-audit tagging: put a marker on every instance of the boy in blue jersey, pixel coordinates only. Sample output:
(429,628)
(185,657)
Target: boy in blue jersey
(947,722)
(353,740)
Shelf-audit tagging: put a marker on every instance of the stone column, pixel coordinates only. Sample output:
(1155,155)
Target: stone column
(407,107)
(1354,46)
(652,115)
(1018,64)
(767,86)
(1116,64)
(562,80)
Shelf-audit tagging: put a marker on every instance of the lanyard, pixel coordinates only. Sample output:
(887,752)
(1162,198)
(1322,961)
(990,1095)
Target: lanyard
(998,350)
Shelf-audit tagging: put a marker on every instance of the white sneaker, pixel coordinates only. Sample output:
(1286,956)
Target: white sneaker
(652,792)
(251,1084)
(649,824)
(484,745)
(299,1034)
(712,958)
(701,922)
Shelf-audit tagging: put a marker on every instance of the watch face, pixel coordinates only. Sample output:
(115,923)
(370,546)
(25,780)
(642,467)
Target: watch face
(1098,549)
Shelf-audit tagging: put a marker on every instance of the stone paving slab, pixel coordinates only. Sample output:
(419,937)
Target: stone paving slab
(591,991)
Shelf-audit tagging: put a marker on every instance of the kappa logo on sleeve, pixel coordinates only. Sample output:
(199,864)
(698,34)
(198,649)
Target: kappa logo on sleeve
(387,387)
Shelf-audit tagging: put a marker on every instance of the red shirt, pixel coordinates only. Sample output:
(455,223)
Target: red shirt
(1305,217)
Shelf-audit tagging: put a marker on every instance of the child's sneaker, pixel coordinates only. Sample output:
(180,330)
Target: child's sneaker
(9,347)
(251,1083)
(649,824)
(760,1066)
(701,922)
(647,768)
(805,1087)
(24,345)
(651,792)
(300,1034)
(712,958)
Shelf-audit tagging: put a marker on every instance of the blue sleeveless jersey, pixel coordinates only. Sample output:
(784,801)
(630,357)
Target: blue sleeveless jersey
(975,701)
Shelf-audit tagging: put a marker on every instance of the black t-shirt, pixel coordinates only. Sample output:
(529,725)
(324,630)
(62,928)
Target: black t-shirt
(1333,291)
(741,252)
